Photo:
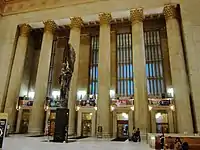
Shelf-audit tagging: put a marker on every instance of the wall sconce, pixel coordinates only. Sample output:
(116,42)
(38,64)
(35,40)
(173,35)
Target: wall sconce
(132,108)
(150,108)
(170,92)
(31,95)
(77,108)
(112,108)
(112,93)
(81,94)
(46,108)
(55,94)
(158,115)
(172,107)
(18,108)
(95,108)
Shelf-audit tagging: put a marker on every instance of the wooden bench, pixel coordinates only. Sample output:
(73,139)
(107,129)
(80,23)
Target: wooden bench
(194,142)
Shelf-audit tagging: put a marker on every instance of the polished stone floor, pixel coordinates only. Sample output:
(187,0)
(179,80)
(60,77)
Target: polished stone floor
(20,142)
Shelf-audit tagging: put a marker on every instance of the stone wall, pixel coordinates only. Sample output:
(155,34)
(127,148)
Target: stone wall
(189,12)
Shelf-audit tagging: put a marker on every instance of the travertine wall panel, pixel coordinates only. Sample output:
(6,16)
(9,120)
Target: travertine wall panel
(7,38)
(191,28)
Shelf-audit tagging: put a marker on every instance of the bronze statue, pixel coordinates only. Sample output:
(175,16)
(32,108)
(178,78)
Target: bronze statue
(66,75)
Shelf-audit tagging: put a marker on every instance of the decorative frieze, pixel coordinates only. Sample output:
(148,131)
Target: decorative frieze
(170,12)
(24,30)
(136,15)
(76,22)
(49,26)
(105,18)
(34,5)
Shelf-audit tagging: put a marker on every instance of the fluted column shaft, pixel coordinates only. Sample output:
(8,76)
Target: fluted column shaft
(140,79)
(104,75)
(74,40)
(16,75)
(113,60)
(178,71)
(37,114)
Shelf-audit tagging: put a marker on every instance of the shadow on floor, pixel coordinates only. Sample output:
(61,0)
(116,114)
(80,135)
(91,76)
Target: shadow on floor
(120,139)
(79,137)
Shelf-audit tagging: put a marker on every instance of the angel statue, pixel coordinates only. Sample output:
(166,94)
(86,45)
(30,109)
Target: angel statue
(66,75)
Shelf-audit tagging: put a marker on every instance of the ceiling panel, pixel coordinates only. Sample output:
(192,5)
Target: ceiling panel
(13,1)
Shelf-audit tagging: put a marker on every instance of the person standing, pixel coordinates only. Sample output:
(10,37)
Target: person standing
(138,135)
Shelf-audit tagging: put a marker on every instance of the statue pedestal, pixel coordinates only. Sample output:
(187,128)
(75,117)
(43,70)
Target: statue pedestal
(61,125)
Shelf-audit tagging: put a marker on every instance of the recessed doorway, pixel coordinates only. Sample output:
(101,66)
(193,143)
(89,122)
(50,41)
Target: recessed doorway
(87,124)
(122,125)
(162,124)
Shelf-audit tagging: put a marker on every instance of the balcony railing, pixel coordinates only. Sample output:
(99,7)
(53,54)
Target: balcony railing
(161,102)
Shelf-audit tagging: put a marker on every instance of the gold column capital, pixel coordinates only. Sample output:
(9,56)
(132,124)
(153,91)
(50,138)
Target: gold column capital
(49,26)
(76,22)
(24,29)
(136,15)
(105,18)
(170,11)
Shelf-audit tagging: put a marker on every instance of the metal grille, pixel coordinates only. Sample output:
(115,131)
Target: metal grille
(94,51)
(154,63)
(125,85)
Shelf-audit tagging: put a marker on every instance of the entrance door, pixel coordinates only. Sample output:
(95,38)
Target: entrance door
(25,121)
(122,125)
(87,127)
(87,124)
(122,128)
(162,122)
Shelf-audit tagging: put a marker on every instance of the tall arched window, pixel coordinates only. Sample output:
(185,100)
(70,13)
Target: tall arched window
(154,63)
(125,85)
(94,55)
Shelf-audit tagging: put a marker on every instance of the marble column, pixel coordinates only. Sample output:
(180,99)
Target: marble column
(166,63)
(36,121)
(153,121)
(113,61)
(19,120)
(84,61)
(178,71)
(104,75)
(171,121)
(140,79)
(74,40)
(16,75)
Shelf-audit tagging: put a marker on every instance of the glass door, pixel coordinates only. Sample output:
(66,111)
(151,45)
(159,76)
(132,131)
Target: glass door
(87,124)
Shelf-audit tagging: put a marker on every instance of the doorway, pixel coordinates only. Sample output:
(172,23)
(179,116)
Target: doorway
(122,125)
(86,124)
(162,124)
(24,121)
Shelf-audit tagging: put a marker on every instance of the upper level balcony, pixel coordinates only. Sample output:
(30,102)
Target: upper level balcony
(91,101)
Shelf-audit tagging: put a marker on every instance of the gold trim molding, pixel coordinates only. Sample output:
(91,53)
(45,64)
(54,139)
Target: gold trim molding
(136,15)
(24,30)
(49,26)
(170,11)
(76,22)
(105,18)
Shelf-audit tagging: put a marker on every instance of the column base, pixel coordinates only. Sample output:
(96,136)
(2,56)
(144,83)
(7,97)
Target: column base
(71,132)
(35,132)
(104,135)
(11,129)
